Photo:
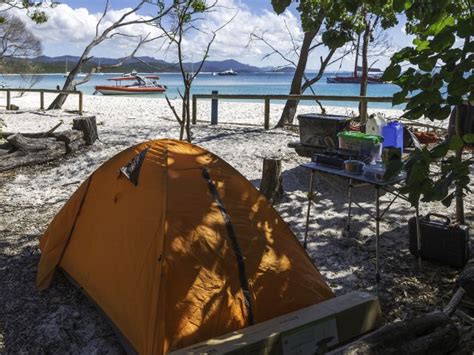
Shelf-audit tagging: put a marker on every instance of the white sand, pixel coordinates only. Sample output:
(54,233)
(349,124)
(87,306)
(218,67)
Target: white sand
(346,263)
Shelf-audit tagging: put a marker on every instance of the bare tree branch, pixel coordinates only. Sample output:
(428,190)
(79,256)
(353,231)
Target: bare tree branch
(106,9)
(104,35)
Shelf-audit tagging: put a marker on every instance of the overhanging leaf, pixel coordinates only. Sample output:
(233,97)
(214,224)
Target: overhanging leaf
(439,25)
(392,72)
(468,138)
(455,143)
(279,6)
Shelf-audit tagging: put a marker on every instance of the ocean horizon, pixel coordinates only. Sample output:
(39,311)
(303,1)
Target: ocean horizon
(267,83)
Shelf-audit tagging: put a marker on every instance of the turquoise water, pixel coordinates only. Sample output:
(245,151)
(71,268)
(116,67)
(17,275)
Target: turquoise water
(254,83)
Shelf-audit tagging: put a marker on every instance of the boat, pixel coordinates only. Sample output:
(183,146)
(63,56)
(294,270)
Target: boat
(227,72)
(98,72)
(374,75)
(66,72)
(355,78)
(132,84)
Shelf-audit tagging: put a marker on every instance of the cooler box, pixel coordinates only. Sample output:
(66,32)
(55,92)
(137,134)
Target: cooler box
(321,130)
(440,240)
(365,144)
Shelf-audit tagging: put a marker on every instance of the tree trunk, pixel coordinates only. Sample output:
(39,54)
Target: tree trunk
(69,85)
(187,95)
(289,110)
(364,77)
(271,185)
(459,192)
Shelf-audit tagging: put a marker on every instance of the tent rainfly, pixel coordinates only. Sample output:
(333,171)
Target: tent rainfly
(176,247)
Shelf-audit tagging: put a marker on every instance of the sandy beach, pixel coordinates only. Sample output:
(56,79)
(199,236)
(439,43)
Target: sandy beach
(61,319)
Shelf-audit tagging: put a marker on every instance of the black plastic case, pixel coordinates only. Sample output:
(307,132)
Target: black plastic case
(440,240)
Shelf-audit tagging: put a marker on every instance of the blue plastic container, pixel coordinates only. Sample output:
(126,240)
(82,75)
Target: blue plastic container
(392,134)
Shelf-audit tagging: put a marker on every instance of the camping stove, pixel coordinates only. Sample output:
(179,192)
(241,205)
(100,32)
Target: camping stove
(334,158)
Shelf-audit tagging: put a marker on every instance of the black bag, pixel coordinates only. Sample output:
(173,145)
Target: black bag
(440,240)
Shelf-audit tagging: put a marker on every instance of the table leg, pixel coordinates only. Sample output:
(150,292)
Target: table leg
(418,235)
(377,236)
(348,226)
(310,199)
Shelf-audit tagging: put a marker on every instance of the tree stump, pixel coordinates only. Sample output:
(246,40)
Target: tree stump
(88,127)
(73,140)
(271,185)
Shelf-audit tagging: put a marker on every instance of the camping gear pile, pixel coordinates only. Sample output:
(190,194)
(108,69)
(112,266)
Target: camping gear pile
(369,154)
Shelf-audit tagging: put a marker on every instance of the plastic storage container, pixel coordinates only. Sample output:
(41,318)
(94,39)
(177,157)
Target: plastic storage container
(375,124)
(321,130)
(392,134)
(374,171)
(364,144)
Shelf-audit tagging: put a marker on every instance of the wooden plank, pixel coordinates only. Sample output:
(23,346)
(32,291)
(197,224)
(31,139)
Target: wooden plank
(50,91)
(295,97)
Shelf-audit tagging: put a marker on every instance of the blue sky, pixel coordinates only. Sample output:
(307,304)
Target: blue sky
(71,26)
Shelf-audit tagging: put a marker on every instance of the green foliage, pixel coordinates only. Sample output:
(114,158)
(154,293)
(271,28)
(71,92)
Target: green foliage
(438,76)
(341,20)
(439,64)
(436,73)
(33,9)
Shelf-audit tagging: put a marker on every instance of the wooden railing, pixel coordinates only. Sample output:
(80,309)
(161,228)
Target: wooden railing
(42,92)
(268,98)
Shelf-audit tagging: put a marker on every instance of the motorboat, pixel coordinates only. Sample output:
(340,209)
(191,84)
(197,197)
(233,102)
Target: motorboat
(227,72)
(132,84)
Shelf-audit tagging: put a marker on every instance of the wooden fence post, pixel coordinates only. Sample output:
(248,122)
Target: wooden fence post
(8,99)
(194,113)
(266,122)
(42,100)
(214,108)
(80,102)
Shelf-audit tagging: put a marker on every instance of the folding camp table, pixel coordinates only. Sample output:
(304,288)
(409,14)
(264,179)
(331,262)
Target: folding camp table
(386,185)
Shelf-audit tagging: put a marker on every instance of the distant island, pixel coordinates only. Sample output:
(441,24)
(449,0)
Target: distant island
(45,65)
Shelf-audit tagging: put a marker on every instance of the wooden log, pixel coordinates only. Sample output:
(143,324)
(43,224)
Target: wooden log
(72,139)
(26,144)
(88,126)
(22,158)
(466,278)
(271,185)
(35,134)
(441,341)
(391,338)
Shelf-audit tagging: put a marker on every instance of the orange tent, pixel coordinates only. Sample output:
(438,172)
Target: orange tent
(176,247)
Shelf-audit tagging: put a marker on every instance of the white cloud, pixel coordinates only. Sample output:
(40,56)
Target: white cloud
(69,30)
